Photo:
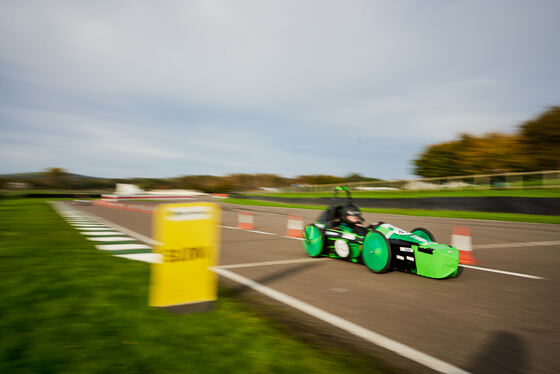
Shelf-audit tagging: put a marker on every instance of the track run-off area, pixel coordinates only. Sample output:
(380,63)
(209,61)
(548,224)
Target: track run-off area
(497,316)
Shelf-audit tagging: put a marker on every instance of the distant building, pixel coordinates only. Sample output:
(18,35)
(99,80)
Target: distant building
(17,185)
(125,191)
(269,189)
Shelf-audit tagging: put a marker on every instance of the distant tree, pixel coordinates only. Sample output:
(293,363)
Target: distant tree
(540,141)
(535,147)
(318,179)
(355,177)
(55,177)
(438,160)
(487,154)
(153,183)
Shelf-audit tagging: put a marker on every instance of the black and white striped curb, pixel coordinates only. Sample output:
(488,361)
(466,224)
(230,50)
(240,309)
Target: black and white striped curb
(106,237)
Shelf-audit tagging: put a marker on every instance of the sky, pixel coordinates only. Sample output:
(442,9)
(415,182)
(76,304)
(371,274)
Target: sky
(170,88)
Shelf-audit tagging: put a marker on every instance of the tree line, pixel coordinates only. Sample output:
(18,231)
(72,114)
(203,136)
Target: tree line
(534,147)
(245,182)
(58,178)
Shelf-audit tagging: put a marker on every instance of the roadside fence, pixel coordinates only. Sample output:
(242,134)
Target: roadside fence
(536,179)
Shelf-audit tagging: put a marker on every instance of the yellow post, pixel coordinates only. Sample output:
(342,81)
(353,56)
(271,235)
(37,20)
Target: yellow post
(189,244)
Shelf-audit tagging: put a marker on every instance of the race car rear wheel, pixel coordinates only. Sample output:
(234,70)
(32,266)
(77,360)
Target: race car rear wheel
(313,240)
(424,234)
(376,252)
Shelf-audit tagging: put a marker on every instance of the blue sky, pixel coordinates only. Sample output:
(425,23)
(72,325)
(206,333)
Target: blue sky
(163,89)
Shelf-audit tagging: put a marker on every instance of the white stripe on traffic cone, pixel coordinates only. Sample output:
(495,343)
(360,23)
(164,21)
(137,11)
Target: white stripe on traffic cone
(294,227)
(245,221)
(461,239)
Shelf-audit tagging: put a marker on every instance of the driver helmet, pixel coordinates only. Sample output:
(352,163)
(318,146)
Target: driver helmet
(351,214)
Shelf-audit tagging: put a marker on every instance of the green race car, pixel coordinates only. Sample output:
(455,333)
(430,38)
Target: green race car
(340,232)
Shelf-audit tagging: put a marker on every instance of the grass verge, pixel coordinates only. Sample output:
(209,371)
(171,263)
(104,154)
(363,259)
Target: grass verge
(416,212)
(67,307)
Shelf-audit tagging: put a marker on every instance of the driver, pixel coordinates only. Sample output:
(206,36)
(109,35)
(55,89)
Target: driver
(352,216)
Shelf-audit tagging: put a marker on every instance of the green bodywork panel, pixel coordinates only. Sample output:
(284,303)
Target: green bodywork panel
(442,263)
(392,233)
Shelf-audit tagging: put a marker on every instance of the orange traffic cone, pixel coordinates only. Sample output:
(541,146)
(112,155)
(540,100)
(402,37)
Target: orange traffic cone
(295,227)
(245,221)
(461,239)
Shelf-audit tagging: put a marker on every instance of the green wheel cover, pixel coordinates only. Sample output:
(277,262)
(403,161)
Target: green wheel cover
(313,241)
(376,252)
(423,233)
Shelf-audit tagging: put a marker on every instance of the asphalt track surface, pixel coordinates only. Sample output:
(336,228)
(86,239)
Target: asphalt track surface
(480,322)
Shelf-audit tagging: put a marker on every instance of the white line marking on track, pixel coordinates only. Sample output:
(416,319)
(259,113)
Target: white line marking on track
(154,258)
(519,244)
(87,225)
(266,263)
(502,272)
(94,228)
(291,237)
(255,231)
(121,247)
(370,336)
(261,232)
(111,239)
(101,233)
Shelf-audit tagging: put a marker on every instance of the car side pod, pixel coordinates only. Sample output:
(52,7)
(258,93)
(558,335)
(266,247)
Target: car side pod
(376,252)
(313,240)
(435,260)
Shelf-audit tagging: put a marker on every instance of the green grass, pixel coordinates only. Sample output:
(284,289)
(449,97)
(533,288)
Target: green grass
(416,212)
(69,308)
(533,192)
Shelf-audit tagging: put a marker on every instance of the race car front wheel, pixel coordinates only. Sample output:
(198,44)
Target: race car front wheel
(376,252)
(424,234)
(313,240)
